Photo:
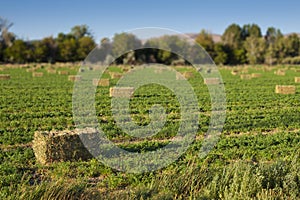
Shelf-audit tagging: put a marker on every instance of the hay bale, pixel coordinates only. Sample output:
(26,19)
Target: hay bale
(212,81)
(114,75)
(285,89)
(179,76)
(234,72)
(51,71)
(121,92)
(255,75)
(246,76)
(280,72)
(74,78)
(37,74)
(101,82)
(188,74)
(55,146)
(63,72)
(297,79)
(4,76)
(30,70)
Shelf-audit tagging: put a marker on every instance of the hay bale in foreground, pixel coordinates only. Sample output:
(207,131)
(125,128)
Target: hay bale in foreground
(285,89)
(37,74)
(74,78)
(297,79)
(4,76)
(246,76)
(212,81)
(101,82)
(63,72)
(55,146)
(126,92)
(255,75)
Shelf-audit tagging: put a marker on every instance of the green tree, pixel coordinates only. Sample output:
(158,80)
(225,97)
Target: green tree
(255,47)
(17,52)
(221,56)
(45,50)
(292,44)
(85,45)
(206,41)
(80,31)
(274,42)
(232,36)
(251,30)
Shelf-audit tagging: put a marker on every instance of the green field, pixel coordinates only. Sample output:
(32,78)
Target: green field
(257,156)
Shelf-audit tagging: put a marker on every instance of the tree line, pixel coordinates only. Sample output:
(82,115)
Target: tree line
(238,45)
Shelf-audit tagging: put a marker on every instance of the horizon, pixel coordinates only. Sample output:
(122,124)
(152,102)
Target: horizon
(33,22)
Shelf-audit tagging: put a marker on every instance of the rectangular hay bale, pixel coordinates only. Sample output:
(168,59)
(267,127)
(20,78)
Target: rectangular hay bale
(101,82)
(74,78)
(37,74)
(234,72)
(285,89)
(297,79)
(115,75)
(63,72)
(56,146)
(212,81)
(188,74)
(255,75)
(126,92)
(51,71)
(4,76)
(280,72)
(246,76)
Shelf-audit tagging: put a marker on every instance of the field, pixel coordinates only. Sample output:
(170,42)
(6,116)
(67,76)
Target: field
(257,156)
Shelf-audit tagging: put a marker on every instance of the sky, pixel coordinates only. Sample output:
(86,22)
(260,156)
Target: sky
(36,19)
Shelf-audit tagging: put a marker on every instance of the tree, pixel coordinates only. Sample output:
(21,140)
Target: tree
(221,56)
(274,41)
(292,45)
(80,31)
(232,36)
(85,45)
(206,41)
(251,30)
(255,47)
(17,52)
(123,43)
(45,50)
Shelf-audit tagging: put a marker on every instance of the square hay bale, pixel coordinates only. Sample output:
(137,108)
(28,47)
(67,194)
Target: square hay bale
(188,74)
(74,78)
(51,71)
(126,92)
(255,75)
(297,79)
(56,146)
(180,76)
(63,72)
(280,72)
(30,70)
(234,72)
(101,82)
(212,81)
(285,89)
(37,74)
(4,76)
(115,75)
(246,76)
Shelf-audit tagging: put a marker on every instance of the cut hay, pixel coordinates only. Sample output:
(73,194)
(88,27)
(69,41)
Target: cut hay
(188,74)
(234,72)
(114,75)
(212,81)
(63,72)
(280,72)
(51,71)
(246,76)
(55,146)
(4,76)
(297,79)
(255,75)
(101,82)
(37,74)
(121,92)
(285,89)
(74,78)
